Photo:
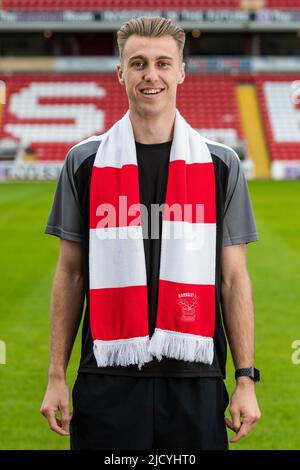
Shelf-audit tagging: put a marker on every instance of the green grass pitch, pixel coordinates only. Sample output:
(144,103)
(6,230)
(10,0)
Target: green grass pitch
(28,260)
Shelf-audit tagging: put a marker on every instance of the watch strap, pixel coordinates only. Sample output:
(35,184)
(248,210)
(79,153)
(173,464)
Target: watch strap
(250,372)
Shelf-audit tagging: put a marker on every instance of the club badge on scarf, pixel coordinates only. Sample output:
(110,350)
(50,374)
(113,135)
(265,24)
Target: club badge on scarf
(117,269)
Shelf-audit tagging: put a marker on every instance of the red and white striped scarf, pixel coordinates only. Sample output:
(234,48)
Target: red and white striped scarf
(117,270)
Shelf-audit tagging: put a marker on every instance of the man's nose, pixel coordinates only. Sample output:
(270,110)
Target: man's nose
(150,74)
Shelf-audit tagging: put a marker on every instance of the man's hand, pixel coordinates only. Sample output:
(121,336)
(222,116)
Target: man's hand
(244,409)
(57,399)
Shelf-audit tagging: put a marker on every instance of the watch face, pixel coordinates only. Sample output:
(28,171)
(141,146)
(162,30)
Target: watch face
(250,372)
(256,374)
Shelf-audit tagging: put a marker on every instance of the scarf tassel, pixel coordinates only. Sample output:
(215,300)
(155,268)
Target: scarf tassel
(122,352)
(181,346)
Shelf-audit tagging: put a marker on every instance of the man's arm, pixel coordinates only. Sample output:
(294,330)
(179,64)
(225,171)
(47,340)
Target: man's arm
(238,316)
(66,311)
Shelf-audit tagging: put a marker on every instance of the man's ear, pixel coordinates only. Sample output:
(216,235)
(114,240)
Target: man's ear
(120,74)
(181,73)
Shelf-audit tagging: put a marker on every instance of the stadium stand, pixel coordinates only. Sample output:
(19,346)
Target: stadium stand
(46,5)
(281,115)
(56,5)
(49,113)
(241,101)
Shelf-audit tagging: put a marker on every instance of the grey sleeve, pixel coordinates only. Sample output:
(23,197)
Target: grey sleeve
(65,219)
(239,223)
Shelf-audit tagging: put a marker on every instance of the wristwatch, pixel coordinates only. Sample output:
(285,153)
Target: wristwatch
(250,372)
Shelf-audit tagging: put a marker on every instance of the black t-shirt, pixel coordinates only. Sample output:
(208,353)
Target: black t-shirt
(153,166)
(72,202)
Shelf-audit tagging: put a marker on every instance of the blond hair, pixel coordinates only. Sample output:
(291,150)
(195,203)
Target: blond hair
(154,27)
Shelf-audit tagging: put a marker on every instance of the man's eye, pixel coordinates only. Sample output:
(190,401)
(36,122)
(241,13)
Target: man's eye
(163,64)
(138,65)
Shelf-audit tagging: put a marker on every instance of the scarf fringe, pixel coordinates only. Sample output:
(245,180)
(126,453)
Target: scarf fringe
(122,352)
(182,346)
(172,344)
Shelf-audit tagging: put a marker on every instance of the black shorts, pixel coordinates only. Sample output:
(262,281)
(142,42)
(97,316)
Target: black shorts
(146,413)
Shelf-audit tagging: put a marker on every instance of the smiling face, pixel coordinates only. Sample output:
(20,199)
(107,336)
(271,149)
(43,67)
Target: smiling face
(151,69)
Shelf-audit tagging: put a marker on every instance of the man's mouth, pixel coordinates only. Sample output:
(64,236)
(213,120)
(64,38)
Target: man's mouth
(151,91)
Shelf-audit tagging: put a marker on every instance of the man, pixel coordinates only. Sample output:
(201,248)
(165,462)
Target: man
(153,346)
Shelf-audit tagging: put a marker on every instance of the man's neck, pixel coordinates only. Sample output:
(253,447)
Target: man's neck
(152,129)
